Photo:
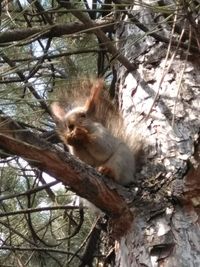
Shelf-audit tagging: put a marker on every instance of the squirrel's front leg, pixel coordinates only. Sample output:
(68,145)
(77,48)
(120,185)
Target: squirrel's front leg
(81,137)
(107,171)
(78,136)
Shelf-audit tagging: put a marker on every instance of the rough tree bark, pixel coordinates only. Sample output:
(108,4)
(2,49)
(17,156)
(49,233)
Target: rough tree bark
(162,98)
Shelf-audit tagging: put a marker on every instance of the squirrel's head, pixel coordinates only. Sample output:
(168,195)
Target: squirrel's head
(79,117)
(71,119)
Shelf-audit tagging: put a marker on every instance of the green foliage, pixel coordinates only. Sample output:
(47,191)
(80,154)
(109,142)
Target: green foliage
(36,224)
(45,230)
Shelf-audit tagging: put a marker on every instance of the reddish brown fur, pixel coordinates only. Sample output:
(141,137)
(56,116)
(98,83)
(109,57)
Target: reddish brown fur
(109,172)
(95,133)
(93,99)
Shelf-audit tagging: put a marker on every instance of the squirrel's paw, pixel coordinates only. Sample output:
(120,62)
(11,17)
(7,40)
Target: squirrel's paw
(107,171)
(78,136)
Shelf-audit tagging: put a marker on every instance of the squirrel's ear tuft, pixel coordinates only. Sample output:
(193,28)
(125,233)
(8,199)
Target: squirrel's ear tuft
(95,92)
(57,111)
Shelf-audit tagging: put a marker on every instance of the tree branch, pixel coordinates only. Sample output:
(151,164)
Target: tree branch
(43,249)
(23,79)
(100,34)
(51,31)
(32,210)
(80,177)
(28,192)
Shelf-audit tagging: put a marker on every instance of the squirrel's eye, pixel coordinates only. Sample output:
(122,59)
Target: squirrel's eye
(71,127)
(82,115)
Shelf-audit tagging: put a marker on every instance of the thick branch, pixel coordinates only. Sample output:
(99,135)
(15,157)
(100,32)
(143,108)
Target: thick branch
(81,178)
(50,31)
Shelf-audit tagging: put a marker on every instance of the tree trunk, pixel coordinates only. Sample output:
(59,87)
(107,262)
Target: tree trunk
(162,99)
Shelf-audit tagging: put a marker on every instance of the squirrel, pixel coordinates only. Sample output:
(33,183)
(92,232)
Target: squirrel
(93,133)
